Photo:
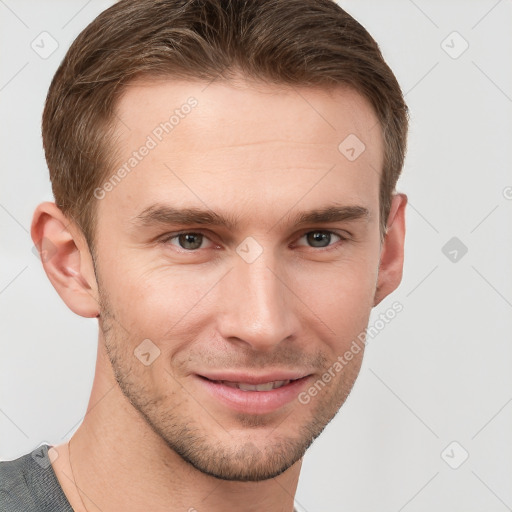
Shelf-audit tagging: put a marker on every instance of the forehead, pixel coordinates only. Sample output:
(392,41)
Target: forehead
(308,114)
(234,143)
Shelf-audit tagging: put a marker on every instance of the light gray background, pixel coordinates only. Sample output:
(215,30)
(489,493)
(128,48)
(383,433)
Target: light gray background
(439,372)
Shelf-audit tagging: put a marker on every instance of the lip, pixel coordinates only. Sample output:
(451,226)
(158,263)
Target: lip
(253,402)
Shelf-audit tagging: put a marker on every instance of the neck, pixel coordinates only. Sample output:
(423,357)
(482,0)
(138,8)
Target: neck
(120,463)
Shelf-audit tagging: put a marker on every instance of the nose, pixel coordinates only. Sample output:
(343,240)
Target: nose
(257,304)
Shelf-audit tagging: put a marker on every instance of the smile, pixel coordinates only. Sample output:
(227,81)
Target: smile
(253,394)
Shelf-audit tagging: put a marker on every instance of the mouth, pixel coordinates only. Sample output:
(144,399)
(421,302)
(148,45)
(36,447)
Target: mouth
(253,394)
(245,386)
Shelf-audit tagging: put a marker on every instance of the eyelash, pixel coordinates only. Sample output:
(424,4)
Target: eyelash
(170,236)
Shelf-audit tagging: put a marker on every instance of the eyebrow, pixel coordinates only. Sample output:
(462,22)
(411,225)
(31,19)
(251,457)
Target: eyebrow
(163,214)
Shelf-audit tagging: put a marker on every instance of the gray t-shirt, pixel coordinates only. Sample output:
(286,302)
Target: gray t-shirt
(29,484)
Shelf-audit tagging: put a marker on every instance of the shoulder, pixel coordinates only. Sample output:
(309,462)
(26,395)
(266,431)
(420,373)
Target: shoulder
(29,484)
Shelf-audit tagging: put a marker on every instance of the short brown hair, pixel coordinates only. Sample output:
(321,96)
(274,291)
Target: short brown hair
(289,42)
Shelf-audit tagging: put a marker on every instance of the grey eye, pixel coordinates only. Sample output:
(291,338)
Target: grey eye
(319,238)
(190,241)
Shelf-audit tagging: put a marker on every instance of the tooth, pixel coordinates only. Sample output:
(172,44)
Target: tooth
(246,387)
(280,383)
(227,383)
(268,386)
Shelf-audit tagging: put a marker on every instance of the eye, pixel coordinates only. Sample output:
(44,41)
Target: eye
(321,238)
(189,241)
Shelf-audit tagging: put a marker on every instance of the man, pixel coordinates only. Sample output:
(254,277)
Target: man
(224,178)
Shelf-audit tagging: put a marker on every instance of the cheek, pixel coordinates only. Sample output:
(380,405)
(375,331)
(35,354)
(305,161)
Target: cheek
(341,296)
(152,301)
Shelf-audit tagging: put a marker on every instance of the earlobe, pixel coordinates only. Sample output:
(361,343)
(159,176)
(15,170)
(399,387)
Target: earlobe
(392,253)
(66,259)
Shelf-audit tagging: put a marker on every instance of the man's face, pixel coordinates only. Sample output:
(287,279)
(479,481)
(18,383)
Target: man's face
(233,311)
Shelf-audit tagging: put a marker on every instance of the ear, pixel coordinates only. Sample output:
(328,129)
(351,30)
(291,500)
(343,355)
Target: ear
(66,259)
(392,250)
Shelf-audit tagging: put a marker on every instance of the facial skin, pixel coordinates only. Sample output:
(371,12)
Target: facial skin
(259,155)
